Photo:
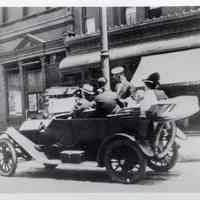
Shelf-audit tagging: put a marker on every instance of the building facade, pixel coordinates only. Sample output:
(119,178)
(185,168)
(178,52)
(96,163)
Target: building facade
(32,45)
(43,47)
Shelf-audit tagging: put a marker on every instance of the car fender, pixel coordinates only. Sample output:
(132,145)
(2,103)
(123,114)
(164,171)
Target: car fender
(101,150)
(3,135)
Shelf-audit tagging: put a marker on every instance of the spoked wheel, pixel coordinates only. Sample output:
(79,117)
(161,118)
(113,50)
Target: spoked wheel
(8,158)
(124,162)
(167,162)
(165,136)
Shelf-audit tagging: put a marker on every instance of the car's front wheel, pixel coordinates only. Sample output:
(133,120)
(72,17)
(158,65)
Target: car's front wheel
(124,161)
(167,162)
(8,158)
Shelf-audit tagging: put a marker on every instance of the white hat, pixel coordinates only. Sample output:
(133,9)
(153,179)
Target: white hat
(89,89)
(117,70)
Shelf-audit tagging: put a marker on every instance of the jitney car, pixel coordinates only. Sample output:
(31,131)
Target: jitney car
(111,141)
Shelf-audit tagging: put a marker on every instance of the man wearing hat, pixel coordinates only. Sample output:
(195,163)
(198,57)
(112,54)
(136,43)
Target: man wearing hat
(87,98)
(58,140)
(122,84)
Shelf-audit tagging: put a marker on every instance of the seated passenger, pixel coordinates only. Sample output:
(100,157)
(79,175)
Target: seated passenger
(107,101)
(151,95)
(86,99)
(122,85)
(135,97)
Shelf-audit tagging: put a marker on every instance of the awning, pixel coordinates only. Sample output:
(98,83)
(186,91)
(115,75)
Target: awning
(80,60)
(135,50)
(178,67)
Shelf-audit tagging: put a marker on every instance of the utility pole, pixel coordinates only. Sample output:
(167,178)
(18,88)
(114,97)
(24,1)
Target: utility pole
(104,46)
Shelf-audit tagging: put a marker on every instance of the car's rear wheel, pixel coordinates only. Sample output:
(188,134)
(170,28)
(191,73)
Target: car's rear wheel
(124,161)
(167,162)
(8,158)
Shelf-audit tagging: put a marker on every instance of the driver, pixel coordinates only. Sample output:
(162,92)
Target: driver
(56,141)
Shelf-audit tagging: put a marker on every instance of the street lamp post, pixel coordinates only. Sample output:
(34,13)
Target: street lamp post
(104,49)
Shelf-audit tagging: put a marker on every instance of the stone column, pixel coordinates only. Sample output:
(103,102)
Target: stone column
(43,71)
(22,85)
(4,99)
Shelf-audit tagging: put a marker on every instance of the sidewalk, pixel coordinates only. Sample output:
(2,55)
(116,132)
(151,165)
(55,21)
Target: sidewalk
(190,148)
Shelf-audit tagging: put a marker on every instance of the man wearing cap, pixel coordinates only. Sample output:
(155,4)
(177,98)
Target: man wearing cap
(122,84)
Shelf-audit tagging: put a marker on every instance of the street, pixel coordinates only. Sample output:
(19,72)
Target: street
(31,177)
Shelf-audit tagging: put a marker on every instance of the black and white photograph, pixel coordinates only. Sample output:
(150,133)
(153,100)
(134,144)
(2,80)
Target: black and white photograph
(100,99)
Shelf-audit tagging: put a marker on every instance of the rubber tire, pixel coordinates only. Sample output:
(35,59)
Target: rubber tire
(170,143)
(167,167)
(14,158)
(112,173)
(50,166)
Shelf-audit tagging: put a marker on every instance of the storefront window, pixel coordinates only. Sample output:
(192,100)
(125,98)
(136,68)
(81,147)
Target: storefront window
(74,79)
(15,102)
(34,90)
(35,102)
(14,94)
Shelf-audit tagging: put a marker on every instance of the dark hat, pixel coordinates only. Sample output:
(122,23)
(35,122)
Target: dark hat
(153,79)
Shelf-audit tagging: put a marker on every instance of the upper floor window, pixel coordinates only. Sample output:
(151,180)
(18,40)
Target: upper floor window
(25,11)
(131,15)
(154,11)
(90,19)
(4,14)
(90,25)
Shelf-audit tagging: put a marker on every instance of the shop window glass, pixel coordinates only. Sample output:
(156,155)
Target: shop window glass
(72,79)
(14,95)
(35,102)
(34,80)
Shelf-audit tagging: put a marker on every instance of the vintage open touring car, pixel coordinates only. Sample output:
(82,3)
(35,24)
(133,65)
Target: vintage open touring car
(111,140)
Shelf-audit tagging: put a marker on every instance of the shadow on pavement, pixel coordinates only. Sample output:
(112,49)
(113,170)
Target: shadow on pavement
(151,177)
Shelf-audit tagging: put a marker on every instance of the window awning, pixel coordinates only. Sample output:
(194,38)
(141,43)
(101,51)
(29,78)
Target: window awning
(79,60)
(177,67)
(76,61)
(144,49)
